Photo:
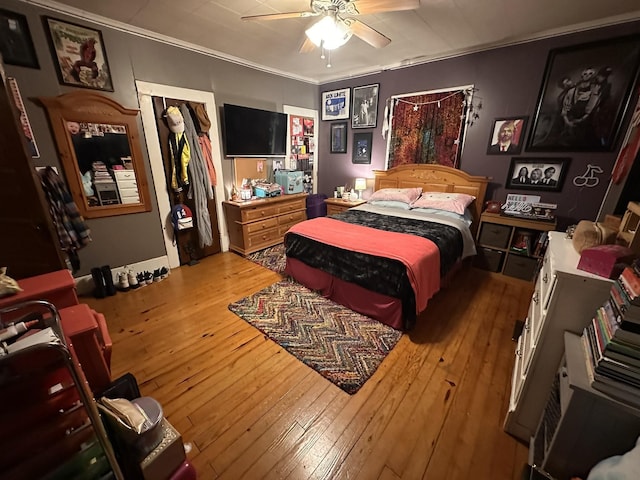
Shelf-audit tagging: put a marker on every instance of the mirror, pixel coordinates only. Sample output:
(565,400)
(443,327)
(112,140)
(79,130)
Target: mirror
(99,146)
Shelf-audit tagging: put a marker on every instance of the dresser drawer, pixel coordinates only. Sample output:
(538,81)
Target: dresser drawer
(250,214)
(122,175)
(299,204)
(261,226)
(536,314)
(494,235)
(546,279)
(517,379)
(291,218)
(127,183)
(262,238)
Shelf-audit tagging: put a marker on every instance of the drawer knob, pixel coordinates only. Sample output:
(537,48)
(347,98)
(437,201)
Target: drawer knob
(526,325)
(536,297)
(518,354)
(545,278)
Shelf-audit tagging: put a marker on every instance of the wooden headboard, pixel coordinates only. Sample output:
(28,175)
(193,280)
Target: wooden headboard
(436,178)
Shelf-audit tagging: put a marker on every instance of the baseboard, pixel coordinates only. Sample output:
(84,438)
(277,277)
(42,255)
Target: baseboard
(84,285)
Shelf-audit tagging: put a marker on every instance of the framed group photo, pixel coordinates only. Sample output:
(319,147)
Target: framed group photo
(339,137)
(362,142)
(79,55)
(365,106)
(537,173)
(507,136)
(584,95)
(16,43)
(335,104)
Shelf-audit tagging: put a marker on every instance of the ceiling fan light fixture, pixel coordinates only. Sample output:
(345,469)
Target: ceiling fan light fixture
(330,33)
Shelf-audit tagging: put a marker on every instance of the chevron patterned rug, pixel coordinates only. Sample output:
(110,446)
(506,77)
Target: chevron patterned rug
(272,258)
(343,346)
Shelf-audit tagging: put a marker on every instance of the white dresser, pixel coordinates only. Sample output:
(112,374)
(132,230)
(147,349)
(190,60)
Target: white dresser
(127,186)
(564,299)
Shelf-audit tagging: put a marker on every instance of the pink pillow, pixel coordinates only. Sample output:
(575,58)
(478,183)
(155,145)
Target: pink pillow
(451,202)
(406,195)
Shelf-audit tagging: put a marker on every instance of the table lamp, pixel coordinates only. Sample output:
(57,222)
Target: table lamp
(361,184)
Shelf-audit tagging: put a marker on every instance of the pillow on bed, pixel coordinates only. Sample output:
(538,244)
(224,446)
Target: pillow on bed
(390,204)
(451,202)
(467,216)
(405,195)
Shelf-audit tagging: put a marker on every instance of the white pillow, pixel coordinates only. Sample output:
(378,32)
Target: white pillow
(451,202)
(406,195)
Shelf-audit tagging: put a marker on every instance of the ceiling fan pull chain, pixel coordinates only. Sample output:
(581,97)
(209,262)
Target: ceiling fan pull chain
(329,59)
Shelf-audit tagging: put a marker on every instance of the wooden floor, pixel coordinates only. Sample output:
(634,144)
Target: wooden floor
(250,410)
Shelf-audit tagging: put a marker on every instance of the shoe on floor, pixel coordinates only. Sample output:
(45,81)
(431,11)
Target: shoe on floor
(164,273)
(133,279)
(123,282)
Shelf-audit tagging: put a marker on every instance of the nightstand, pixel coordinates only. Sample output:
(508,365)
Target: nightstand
(337,205)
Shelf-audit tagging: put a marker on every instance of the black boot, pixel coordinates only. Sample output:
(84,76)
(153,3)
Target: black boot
(100,290)
(108,280)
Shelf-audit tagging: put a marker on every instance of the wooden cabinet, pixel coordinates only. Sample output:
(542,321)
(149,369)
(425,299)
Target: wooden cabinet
(511,246)
(564,298)
(257,224)
(337,205)
(580,426)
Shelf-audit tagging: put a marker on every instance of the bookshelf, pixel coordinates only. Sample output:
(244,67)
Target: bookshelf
(511,246)
(580,426)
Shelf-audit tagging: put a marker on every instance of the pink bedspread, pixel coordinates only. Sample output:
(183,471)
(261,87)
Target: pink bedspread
(419,255)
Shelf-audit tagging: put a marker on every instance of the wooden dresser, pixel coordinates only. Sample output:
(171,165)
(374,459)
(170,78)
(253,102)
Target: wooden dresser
(257,224)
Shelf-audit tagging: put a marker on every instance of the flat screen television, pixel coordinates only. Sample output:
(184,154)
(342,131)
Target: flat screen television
(250,132)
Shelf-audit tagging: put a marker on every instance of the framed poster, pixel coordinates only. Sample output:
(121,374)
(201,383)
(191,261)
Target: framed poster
(362,147)
(16,44)
(339,137)
(365,106)
(79,55)
(507,136)
(537,173)
(335,104)
(584,95)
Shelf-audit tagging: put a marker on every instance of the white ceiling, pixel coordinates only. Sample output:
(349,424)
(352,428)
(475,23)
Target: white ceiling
(438,29)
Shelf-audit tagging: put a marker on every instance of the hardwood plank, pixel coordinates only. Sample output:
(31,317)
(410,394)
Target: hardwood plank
(433,409)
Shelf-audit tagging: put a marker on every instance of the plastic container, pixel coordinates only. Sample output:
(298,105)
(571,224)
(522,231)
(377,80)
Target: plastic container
(316,206)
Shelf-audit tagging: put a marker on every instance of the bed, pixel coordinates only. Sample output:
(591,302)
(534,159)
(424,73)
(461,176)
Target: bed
(385,262)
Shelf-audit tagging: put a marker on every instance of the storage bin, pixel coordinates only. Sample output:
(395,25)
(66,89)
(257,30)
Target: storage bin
(316,206)
(521,267)
(488,259)
(495,235)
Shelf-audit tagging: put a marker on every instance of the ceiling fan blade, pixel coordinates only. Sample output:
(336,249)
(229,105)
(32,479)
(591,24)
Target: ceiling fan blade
(279,16)
(307,46)
(367,7)
(368,34)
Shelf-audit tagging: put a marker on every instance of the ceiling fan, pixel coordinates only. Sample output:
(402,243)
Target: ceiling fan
(336,26)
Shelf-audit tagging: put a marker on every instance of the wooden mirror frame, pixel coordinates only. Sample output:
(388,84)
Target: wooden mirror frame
(90,107)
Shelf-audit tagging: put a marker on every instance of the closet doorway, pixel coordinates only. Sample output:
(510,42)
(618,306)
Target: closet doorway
(155,145)
(187,241)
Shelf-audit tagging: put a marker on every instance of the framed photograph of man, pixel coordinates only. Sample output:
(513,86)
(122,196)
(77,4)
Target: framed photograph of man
(365,106)
(335,104)
(339,137)
(79,55)
(584,95)
(16,44)
(507,136)
(537,173)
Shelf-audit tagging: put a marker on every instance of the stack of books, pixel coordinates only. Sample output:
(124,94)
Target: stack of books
(612,340)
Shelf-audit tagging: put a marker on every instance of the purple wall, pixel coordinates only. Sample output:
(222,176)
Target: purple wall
(508,81)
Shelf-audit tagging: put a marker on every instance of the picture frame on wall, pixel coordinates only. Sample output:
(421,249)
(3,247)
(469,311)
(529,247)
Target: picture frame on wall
(584,95)
(365,106)
(16,43)
(507,136)
(537,173)
(79,55)
(335,104)
(339,137)
(362,142)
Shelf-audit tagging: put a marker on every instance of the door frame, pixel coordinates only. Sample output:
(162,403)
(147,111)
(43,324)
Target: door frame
(146,91)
